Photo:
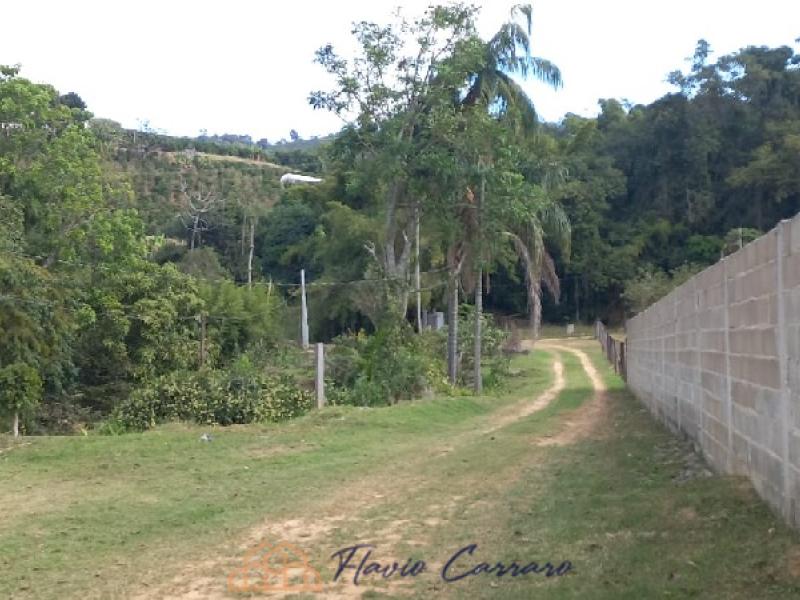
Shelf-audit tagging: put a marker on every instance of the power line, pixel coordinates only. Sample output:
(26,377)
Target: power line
(284,284)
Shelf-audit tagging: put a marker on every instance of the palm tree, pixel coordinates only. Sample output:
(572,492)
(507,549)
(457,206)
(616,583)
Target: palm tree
(549,223)
(492,87)
(508,53)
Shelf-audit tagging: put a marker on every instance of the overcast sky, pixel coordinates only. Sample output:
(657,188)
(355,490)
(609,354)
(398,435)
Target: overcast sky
(238,66)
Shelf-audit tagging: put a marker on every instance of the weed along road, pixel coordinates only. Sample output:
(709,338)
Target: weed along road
(560,486)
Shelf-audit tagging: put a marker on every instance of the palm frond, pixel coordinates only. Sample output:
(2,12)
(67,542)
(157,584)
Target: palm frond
(550,277)
(526,10)
(511,94)
(531,281)
(510,46)
(545,71)
(557,227)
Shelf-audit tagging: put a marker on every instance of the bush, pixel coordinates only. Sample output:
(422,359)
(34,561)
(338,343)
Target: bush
(213,397)
(652,284)
(493,339)
(384,368)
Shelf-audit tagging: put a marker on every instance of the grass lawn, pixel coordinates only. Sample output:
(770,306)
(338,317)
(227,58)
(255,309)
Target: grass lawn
(162,514)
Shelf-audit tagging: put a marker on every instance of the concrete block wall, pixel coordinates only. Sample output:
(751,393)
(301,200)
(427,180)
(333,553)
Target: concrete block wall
(718,359)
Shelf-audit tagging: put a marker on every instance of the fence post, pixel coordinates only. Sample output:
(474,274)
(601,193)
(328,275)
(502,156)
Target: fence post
(319,381)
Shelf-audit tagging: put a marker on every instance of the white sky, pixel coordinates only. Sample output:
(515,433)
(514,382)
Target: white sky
(239,66)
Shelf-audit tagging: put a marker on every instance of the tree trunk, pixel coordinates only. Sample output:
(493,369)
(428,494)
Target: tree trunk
(478,378)
(16,424)
(536,311)
(478,314)
(244,228)
(195,222)
(452,329)
(250,256)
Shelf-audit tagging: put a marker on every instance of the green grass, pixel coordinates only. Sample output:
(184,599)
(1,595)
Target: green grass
(116,516)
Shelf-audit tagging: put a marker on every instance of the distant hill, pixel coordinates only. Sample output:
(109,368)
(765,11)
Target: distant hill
(299,155)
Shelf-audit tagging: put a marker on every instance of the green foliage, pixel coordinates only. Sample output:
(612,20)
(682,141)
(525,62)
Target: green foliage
(202,263)
(241,319)
(651,285)
(493,338)
(212,398)
(20,390)
(739,237)
(136,324)
(11,225)
(35,326)
(99,295)
(391,365)
(285,226)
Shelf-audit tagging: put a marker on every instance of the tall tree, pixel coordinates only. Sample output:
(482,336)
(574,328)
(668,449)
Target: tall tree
(384,94)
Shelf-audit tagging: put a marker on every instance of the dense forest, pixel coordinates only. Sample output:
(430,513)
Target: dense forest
(145,277)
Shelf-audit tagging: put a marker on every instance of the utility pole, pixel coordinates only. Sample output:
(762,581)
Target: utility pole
(303,309)
(418,277)
(478,383)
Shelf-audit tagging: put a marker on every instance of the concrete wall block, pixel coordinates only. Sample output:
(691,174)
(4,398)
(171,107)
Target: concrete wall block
(715,407)
(690,421)
(744,423)
(768,466)
(716,430)
(711,296)
(743,395)
(715,362)
(766,247)
(715,453)
(791,305)
(792,236)
(791,271)
(712,340)
(763,402)
(761,371)
(754,312)
(710,277)
(761,341)
(750,256)
(713,384)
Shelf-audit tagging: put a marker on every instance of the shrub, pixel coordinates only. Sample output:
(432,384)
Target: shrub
(493,339)
(213,397)
(391,365)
